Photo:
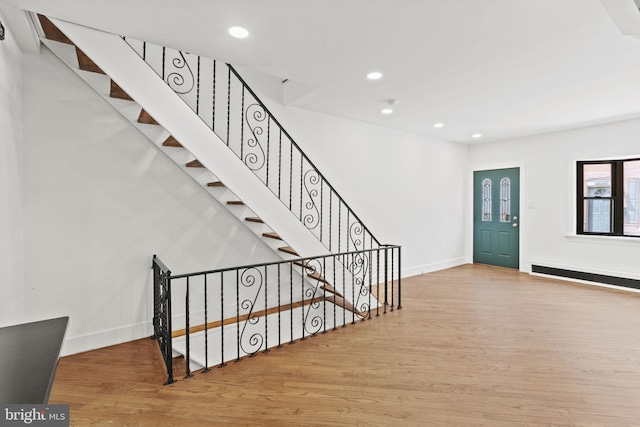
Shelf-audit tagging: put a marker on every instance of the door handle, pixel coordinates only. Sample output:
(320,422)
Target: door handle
(515,225)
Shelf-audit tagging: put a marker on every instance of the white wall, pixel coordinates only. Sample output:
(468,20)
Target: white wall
(547,215)
(408,189)
(99,201)
(11,224)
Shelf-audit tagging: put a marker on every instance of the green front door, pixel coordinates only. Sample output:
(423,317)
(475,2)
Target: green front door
(496,217)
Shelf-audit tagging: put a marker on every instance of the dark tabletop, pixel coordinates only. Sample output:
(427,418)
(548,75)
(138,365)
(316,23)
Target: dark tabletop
(28,359)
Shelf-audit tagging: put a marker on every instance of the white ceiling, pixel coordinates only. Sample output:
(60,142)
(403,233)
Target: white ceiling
(502,68)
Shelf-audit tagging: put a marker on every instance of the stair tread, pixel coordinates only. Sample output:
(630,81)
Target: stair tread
(254,219)
(235,202)
(289,250)
(171,142)
(195,164)
(215,184)
(85,63)
(118,92)
(272,235)
(146,118)
(52,32)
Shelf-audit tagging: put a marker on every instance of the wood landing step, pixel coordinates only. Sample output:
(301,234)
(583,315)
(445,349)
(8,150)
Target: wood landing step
(171,142)
(244,317)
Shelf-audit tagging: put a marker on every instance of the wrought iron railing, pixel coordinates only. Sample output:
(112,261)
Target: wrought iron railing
(162,313)
(221,98)
(232,313)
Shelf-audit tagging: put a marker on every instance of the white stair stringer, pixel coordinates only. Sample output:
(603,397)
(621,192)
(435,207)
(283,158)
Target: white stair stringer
(135,77)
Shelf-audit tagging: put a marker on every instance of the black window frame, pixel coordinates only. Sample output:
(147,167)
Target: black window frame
(616,197)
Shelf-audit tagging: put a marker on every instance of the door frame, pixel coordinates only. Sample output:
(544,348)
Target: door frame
(525,207)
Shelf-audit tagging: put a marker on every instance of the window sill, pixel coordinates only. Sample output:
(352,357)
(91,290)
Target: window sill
(604,240)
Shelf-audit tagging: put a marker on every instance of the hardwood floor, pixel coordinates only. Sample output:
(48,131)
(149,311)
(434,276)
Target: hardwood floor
(473,345)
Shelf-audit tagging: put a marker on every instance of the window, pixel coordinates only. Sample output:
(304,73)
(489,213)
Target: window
(609,197)
(486,200)
(505,200)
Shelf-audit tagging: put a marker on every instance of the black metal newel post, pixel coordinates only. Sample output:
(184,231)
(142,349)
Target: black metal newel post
(393,257)
(386,279)
(399,278)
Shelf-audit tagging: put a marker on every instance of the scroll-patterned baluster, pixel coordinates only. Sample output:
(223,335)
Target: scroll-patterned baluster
(181,79)
(251,339)
(358,265)
(313,321)
(255,157)
(311,214)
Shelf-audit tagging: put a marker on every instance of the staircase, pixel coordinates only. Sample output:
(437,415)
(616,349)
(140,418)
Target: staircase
(257,165)
(93,75)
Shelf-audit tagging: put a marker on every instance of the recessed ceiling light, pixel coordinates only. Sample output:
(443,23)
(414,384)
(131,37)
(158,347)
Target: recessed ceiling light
(476,135)
(387,111)
(438,125)
(375,75)
(238,32)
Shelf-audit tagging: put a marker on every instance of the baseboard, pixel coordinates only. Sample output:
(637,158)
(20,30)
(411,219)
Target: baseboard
(605,278)
(106,338)
(436,266)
